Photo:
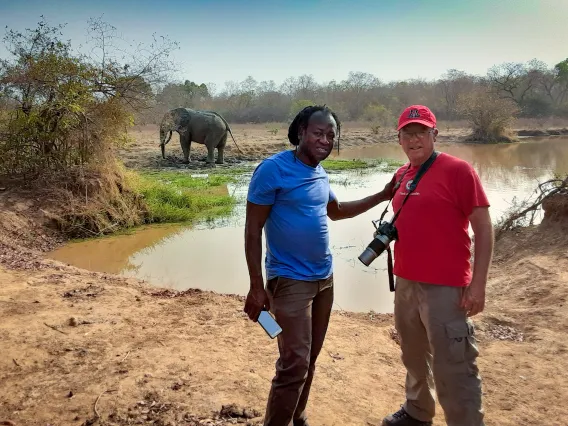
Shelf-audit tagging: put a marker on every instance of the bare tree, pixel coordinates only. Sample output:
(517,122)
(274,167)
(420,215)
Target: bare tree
(514,81)
(357,88)
(452,83)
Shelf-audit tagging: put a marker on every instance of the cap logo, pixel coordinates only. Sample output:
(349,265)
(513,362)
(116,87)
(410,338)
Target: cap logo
(413,113)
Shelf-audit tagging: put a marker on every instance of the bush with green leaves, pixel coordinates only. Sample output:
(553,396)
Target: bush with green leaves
(61,108)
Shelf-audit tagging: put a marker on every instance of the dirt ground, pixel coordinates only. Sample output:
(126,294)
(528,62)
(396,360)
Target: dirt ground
(72,338)
(84,348)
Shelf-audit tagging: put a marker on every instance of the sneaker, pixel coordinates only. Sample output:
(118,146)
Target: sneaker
(402,418)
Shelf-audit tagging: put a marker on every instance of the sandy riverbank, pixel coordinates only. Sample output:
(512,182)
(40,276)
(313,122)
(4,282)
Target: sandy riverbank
(69,335)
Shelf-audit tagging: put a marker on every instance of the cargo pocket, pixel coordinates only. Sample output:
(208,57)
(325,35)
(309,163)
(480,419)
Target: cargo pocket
(460,341)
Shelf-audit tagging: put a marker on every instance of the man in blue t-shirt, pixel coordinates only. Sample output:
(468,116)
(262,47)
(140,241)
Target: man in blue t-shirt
(290,198)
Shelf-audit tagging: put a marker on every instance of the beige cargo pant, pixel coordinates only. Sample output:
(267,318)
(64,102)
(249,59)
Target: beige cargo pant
(439,352)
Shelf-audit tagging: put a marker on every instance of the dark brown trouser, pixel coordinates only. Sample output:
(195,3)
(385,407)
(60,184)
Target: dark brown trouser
(302,308)
(439,351)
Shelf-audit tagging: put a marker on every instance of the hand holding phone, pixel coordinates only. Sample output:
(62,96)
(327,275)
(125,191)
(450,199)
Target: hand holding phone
(269,324)
(256,301)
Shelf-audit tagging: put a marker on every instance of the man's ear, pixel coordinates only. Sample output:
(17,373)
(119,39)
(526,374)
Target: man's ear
(435,133)
(398,136)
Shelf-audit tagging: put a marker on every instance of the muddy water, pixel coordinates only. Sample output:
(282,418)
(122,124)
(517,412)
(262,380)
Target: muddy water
(211,256)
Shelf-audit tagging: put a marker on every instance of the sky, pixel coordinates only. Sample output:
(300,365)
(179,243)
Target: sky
(229,40)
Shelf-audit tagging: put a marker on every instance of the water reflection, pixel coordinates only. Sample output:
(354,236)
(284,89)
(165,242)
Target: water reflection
(211,256)
(113,254)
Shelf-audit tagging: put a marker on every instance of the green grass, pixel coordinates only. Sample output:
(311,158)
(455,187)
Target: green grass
(172,196)
(340,165)
(343,165)
(178,197)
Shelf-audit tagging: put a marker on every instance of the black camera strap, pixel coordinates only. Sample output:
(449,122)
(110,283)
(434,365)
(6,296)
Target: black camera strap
(413,184)
(425,166)
(390,268)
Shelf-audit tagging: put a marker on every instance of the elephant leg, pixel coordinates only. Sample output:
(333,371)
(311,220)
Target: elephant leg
(221,149)
(210,144)
(185,142)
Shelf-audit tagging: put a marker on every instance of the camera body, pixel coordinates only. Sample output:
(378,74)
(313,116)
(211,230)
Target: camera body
(383,236)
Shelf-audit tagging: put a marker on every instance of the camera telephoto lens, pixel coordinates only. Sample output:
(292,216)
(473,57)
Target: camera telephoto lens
(374,249)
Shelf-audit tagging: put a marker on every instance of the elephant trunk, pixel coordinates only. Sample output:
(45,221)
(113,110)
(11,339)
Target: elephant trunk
(163,140)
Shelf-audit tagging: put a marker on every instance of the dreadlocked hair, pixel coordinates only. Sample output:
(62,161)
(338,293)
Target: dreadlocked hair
(302,118)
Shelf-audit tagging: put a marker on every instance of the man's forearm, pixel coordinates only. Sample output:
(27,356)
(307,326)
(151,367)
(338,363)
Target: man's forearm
(350,209)
(253,253)
(483,253)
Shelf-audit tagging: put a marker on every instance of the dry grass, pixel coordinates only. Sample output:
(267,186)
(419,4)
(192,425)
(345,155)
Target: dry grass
(93,201)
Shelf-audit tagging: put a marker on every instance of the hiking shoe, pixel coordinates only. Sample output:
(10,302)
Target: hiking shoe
(402,418)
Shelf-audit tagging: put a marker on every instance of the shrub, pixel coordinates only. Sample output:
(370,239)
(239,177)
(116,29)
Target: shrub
(68,109)
(489,115)
(64,113)
(299,105)
(380,115)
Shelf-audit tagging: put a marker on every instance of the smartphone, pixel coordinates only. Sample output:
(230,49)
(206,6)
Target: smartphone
(269,324)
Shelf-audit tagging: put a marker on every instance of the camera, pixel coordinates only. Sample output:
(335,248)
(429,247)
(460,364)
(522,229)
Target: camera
(385,233)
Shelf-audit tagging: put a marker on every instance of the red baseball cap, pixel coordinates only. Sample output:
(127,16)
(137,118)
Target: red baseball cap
(417,114)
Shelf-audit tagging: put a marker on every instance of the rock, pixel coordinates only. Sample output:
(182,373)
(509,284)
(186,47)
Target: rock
(73,322)
(234,411)
(250,413)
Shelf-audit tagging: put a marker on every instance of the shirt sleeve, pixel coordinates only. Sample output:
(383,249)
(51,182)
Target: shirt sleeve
(470,190)
(332,196)
(264,184)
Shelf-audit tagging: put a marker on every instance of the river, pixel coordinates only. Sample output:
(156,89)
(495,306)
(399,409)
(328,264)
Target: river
(210,256)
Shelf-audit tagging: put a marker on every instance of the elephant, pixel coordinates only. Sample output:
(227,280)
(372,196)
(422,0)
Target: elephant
(201,126)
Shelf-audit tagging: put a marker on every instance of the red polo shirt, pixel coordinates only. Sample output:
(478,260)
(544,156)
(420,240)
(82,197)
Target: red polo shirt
(434,244)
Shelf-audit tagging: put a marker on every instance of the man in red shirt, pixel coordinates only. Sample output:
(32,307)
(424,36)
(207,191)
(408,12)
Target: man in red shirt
(436,289)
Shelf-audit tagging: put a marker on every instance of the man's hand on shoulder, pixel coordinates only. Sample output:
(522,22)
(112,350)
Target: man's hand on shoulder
(337,210)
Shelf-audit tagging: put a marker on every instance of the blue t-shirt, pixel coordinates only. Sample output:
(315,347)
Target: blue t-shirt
(297,240)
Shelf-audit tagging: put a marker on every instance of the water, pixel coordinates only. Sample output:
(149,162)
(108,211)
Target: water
(211,256)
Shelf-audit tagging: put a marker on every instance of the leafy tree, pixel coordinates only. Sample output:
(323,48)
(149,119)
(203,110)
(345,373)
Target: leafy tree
(561,76)
(68,109)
